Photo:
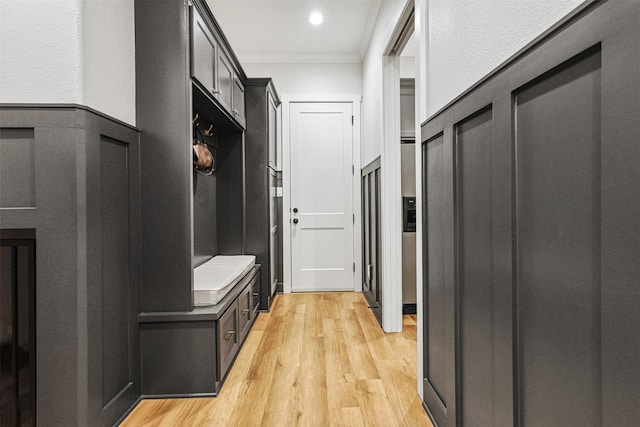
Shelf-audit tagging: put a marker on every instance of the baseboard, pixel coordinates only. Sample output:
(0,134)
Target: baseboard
(128,411)
(409,309)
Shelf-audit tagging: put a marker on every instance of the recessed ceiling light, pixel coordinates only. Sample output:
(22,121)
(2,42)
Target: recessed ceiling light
(316,18)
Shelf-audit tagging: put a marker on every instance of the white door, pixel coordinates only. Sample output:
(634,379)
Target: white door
(321,197)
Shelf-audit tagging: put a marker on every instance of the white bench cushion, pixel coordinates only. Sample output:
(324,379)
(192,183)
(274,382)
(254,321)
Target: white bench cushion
(216,277)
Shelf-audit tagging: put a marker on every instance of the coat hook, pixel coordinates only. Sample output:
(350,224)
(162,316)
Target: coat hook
(194,119)
(209,131)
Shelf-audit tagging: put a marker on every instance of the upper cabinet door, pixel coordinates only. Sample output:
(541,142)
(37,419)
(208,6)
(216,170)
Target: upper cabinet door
(238,100)
(225,80)
(203,53)
(272,113)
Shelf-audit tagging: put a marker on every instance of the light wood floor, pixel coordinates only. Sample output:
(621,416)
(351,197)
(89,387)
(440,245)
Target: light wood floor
(314,360)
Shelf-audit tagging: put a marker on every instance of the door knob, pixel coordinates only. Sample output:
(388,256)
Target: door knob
(295,210)
(295,220)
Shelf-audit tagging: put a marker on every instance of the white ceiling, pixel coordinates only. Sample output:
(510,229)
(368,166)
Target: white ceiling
(271,31)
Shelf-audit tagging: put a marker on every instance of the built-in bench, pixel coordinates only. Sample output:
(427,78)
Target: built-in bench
(187,354)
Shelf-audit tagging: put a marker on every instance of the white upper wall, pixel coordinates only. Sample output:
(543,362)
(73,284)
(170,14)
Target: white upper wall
(41,51)
(69,52)
(109,75)
(372,116)
(310,78)
(470,38)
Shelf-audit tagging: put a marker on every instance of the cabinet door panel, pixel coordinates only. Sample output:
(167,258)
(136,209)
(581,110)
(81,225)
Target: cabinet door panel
(203,53)
(225,80)
(238,100)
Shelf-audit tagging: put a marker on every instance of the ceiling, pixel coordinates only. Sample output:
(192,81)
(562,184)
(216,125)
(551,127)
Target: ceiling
(278,31)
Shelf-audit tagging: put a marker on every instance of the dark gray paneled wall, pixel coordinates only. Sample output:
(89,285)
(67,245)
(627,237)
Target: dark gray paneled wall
(558,232)
(73,176)
(475,282)
(532,293)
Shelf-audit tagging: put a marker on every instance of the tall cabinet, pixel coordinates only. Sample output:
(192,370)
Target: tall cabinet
(263,216)
(185,68)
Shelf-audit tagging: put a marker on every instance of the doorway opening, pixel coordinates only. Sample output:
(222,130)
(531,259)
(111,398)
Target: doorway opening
(398,174)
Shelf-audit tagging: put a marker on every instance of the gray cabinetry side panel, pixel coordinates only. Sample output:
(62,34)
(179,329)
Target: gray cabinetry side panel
(475,268)
(230,197)
(558,251)
(116,350)
(621,225)
(205,239)
(111,155)
(257,176)
(163,110)
(17,168)
(178,358)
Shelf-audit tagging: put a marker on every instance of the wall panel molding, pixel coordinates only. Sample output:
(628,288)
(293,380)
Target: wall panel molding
(546,235)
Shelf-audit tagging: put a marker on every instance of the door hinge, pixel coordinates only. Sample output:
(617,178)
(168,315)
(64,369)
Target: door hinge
(352,120)
(354,218)
(354,267)
(353,170)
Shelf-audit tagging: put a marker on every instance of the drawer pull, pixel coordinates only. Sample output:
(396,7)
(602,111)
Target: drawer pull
(229,335)
(217,92)
(256,294)
(245,311)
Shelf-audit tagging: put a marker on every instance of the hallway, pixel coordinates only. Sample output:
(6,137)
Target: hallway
(314,360)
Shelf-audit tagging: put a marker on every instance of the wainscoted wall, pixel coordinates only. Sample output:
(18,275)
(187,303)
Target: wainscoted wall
(531,234)
(71,174)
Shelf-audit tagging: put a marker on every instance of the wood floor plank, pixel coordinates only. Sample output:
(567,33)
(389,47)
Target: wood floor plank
(317,359)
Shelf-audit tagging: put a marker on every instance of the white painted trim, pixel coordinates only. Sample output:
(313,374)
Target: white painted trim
(421,37)
(307,58)
(287,100)
(391,198)
(374,10)
(286,197)
(391,182)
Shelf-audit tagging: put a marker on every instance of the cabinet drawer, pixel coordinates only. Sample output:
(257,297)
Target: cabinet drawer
(245,315)
(227,339)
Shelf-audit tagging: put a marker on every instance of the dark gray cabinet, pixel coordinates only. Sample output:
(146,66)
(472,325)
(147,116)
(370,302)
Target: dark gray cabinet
(262,203)
(189,354)
(185,67)
(212,66)
(531,231)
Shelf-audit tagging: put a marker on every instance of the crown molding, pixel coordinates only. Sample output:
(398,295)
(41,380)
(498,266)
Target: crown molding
(305,58)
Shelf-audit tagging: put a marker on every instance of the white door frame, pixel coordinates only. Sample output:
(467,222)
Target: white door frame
(391,175)
(355,100)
